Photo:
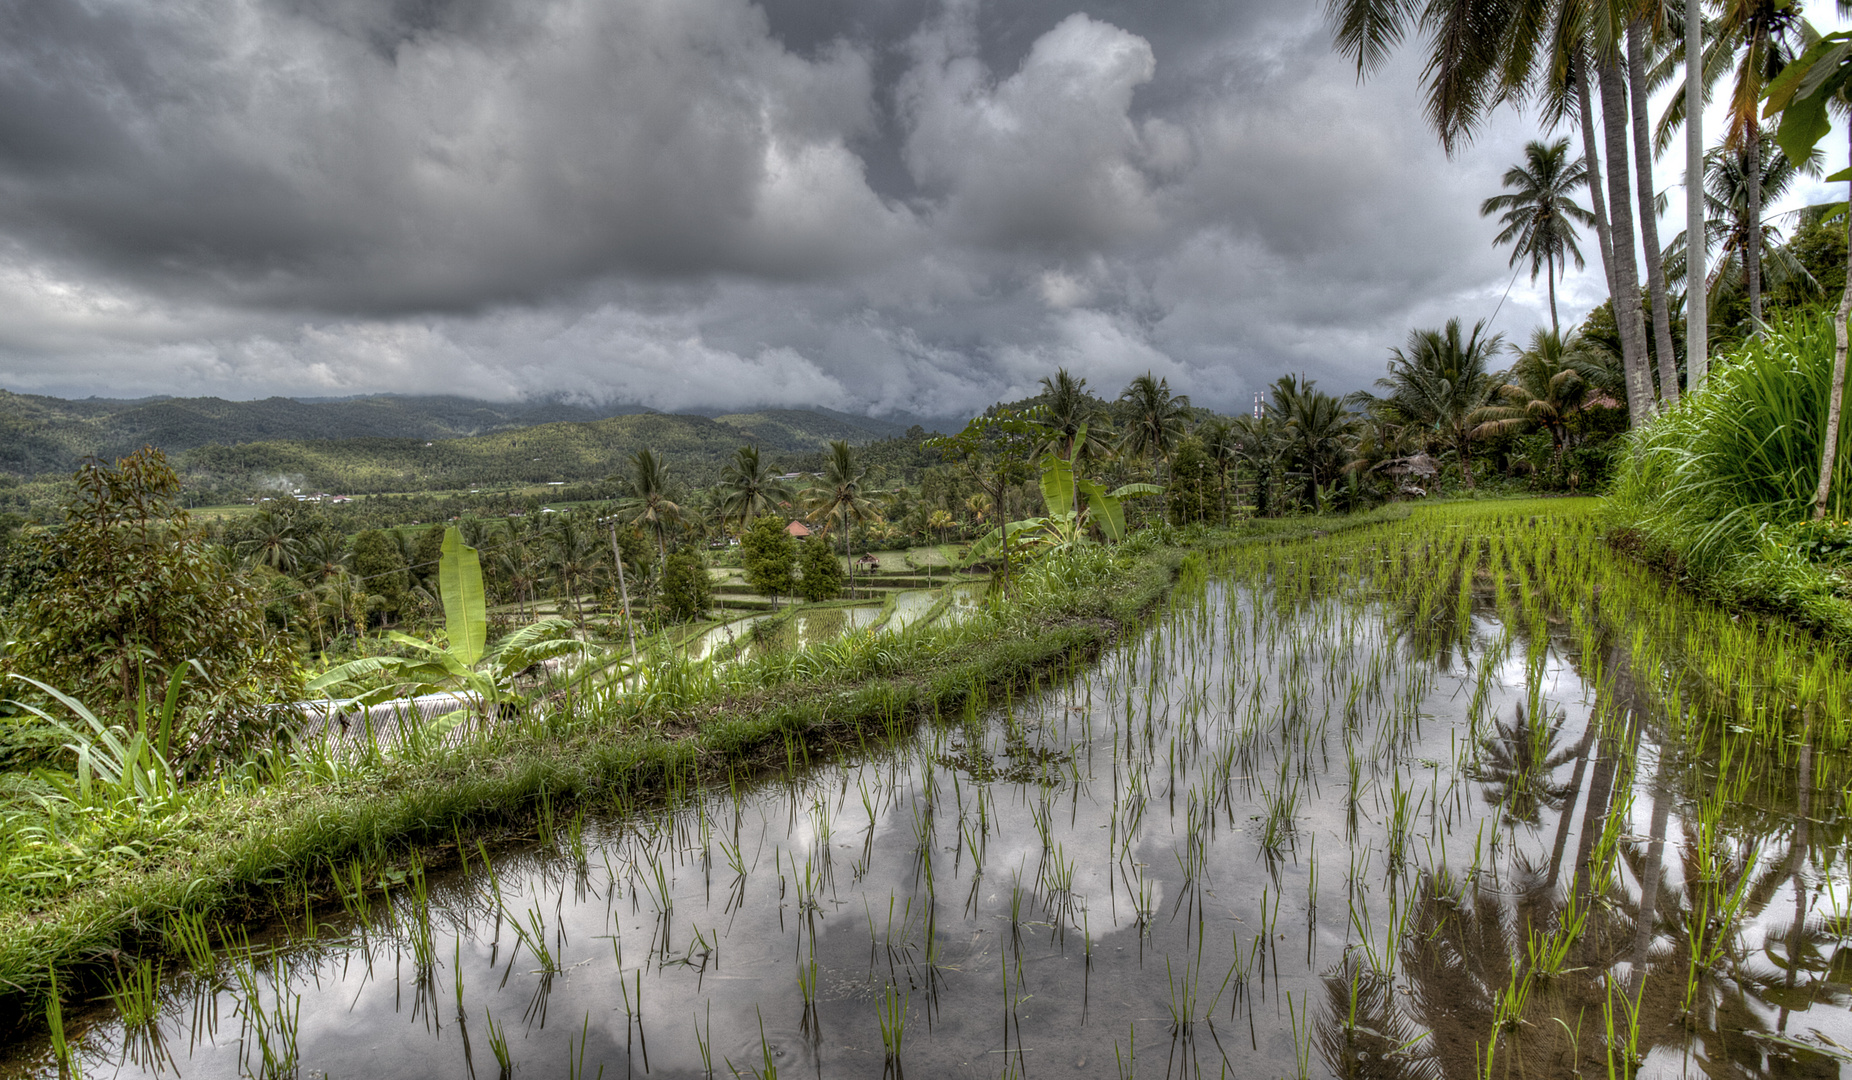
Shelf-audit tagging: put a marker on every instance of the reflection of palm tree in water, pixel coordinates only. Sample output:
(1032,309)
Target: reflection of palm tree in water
(1465,940)
(1517,764)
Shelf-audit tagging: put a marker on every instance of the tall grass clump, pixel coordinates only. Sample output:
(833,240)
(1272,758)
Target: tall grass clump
(1721,487)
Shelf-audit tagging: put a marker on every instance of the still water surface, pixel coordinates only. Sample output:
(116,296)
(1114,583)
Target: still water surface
(1251,841)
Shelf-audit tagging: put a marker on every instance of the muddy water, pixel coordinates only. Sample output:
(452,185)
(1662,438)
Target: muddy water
(1250,843)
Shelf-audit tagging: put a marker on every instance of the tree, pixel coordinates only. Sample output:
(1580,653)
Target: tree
(1728,180)
(1762,36)
(1547,385)
(1539,214)
(380,567)
(821,577)
(576,553)
(1644,19)
(1223,446)
(1481,55)
(994,452)
(748,488)
(1067,410)
(839,492)
(686,591)
(649,506)
(1157,422)
(272,540)
(1191,491)
(1438,381)
(323,555)
(770,556)
(133,591)
(1258,445)
(1315,431)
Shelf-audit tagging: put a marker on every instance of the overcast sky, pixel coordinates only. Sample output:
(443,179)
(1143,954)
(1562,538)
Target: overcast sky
(880,206)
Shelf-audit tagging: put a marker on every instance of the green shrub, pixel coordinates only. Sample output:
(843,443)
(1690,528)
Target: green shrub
(770,556)
(686,592)
(820,569)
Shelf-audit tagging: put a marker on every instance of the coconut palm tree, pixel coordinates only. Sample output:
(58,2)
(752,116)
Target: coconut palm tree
(1540,215)
(1223,446)
(274,542)
(1257,445)
(1069,413)
(648,505)
(575,557)
(1550,382)
(1438,381)
(1481,55)
(517,564)
(1757,38)
(748,488)
(1157,422)
(839,492)
(1727,198)
(1315,431)
(323,555)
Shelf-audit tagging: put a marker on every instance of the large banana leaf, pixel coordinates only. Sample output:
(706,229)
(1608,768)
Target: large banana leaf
(1058,485)
(459,579)
(1106,511)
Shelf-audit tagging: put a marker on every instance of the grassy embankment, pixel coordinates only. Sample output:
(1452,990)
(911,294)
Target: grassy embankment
(1719,491)
(82,883)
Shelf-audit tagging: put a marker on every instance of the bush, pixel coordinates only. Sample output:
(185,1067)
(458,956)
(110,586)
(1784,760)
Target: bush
(130,590)
(821,570)
(686,591)
(770,557)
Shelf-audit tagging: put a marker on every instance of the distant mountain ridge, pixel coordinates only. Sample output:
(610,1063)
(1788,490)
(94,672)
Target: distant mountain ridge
(393,443)
(41,434)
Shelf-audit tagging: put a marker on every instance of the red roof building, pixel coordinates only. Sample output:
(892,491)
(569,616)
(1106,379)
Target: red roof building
(798,529)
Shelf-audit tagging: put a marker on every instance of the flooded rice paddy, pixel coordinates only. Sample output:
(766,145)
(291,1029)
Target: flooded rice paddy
(737,639)
(1417,802)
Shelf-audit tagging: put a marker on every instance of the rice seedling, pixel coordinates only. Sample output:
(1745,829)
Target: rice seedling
(135,993)
(893,1019)
(533,934)
(62,1050)
(187,935)
(498,1045)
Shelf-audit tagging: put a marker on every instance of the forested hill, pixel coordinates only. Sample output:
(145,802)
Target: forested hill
(47,434)
(390,443)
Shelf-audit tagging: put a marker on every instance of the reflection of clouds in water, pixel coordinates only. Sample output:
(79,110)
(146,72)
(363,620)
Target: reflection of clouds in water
(1161,714)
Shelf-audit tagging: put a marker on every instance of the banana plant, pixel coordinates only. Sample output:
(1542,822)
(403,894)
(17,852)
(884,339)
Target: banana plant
(464,664)
(1074,503)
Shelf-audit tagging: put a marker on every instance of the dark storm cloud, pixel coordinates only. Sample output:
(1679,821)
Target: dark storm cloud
(880,205)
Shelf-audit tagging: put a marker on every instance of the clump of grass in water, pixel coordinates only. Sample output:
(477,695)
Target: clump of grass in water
(135,993)
(893,1018)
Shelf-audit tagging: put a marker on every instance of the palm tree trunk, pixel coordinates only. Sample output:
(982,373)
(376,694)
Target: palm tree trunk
(1752,244)
(1626,279)
(1597,202)
(848,550)
(1697,314)
(1549,262)
(1836,397)
(1649,216)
